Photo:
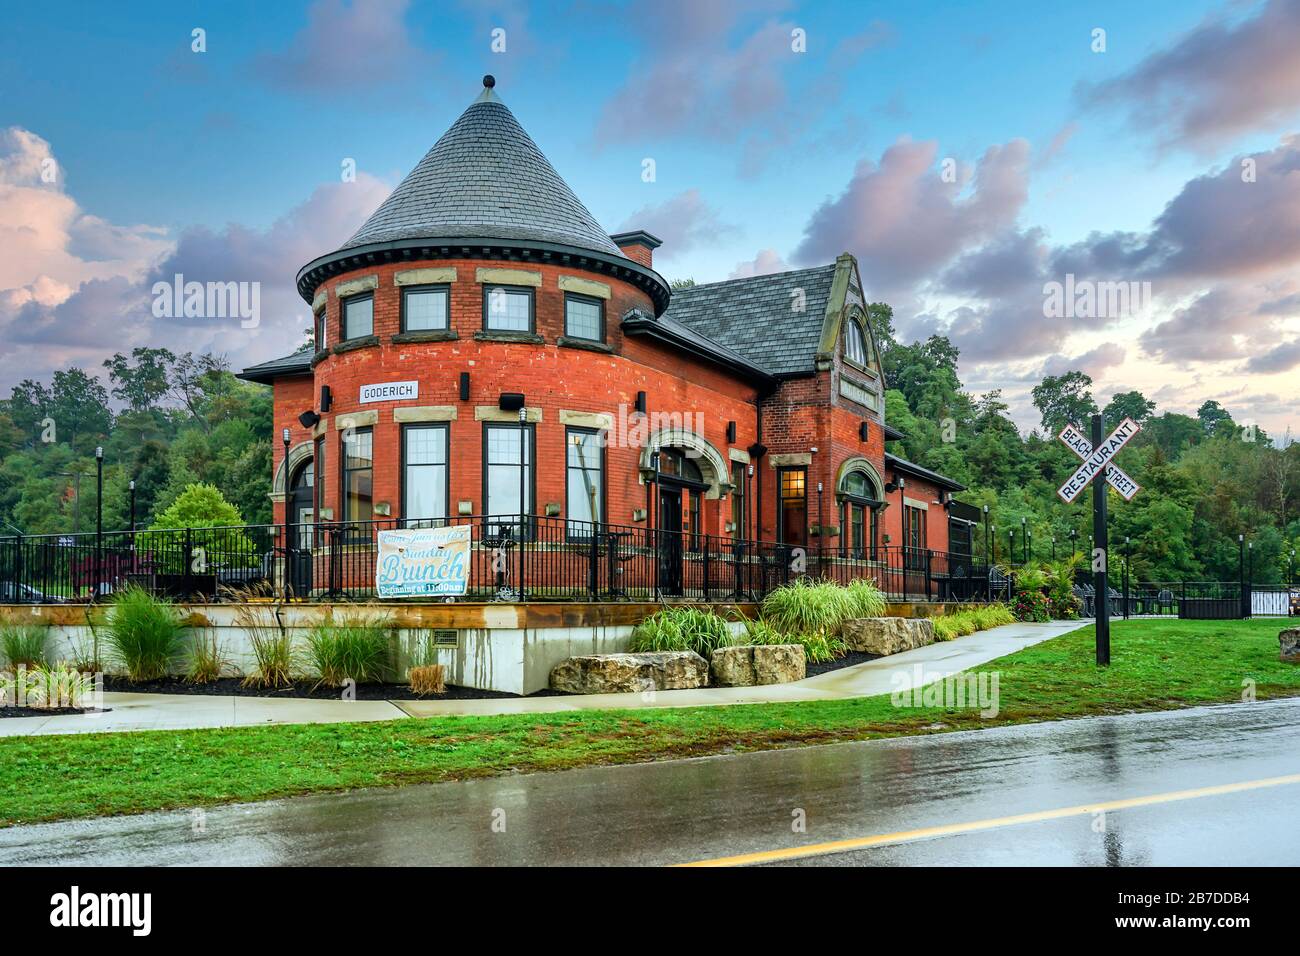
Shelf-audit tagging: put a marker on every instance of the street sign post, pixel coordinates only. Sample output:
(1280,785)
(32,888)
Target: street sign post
(1098,471)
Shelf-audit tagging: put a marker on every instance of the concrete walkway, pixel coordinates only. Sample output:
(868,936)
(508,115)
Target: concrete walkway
(189,711)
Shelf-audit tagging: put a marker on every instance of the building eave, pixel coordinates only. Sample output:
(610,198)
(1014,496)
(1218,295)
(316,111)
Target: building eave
(367,256)
(907,467)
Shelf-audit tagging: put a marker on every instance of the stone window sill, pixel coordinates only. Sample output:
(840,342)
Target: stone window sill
(591,345)
(495,335)
(351,345)
(425,335)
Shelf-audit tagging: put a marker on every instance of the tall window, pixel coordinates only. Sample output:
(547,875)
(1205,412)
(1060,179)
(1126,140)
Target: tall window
(358,316)
(792,487)
(319,321)
(914,532)
(507,309)
(585,480)
(855,343)
(320,474)
(358,474)
(738,500)
(584,318)
(424,308)
(860,510)
(424,472)
(507,476)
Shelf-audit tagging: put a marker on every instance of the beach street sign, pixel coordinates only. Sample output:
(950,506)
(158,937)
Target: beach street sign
(1099,459)
(1078,443)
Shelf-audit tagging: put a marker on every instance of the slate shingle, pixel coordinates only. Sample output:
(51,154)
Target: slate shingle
(756,318)
(485,179)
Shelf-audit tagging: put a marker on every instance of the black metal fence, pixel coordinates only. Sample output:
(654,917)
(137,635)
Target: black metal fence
(512,557)
(1192,600)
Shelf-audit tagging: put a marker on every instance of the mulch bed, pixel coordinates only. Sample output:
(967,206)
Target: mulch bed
(44,711)
(848,660)
(307,689)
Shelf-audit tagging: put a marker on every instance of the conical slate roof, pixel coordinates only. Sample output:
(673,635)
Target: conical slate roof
(485,179)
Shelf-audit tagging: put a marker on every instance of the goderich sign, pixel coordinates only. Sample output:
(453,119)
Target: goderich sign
(423,562)
(389,392)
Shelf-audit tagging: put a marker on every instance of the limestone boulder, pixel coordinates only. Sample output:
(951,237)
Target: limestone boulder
(1289,641)
(887,635)
(630,673)
(779,663)
(749,665)
(877,635)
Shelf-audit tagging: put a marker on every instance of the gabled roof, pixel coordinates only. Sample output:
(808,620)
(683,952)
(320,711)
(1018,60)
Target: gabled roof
(774,321)
(485,178)
(299,363)
(903,465)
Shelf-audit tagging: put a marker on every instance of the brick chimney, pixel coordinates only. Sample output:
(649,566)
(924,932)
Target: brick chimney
(638,245)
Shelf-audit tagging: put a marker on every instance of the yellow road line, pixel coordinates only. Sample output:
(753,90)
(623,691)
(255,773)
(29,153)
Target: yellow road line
(949,829)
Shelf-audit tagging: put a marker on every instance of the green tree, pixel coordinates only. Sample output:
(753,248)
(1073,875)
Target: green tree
(1064,400)
(142,381)
(1132,405)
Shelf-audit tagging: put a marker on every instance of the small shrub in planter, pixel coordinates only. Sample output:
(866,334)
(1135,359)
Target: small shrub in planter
(144,634)
(275,659)
(356,648)
(817,649)
(681,628)
(23,645)
(864,599)
(427,679)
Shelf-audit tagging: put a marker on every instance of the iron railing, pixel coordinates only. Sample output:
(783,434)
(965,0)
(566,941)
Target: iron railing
(512,557)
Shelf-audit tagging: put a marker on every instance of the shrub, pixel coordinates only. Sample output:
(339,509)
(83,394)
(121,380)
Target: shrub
(1031,606)
(207,659)
(864,599)
(144,634)
(817,608)
(682,628)
(23,645)
(274,656)
(357,649)
(971,620)
(218,536)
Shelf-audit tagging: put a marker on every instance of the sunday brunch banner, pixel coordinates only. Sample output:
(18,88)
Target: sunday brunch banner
(423,562)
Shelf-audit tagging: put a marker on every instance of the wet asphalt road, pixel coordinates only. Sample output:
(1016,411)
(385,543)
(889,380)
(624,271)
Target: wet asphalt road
(695,810)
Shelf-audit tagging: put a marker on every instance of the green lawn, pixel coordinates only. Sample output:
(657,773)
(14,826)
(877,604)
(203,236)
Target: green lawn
(1156,665)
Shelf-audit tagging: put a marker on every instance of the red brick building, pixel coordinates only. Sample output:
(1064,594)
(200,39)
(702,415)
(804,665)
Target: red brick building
(482,341)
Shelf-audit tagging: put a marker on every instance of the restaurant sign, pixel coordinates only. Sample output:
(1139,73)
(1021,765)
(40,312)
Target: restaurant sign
(423,562)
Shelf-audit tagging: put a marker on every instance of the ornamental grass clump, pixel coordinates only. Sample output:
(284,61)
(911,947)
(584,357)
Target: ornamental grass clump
(810,607)
(682,628)
(864,599)
(144,634)
(23,645)
(207,658)
(817,649)
(355,648)
(275,659)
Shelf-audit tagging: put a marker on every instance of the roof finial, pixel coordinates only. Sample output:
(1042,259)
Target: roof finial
(489,81)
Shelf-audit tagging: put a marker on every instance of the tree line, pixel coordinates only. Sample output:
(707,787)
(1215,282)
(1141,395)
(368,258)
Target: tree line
(1206,479)
(183,419)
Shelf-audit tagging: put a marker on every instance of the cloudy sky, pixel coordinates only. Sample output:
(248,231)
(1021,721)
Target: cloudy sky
(967,154)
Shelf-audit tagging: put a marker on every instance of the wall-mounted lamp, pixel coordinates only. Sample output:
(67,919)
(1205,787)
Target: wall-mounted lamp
(326,398)
(864,431)
(731,433)
(464,386)
(640,402)
(511,401)
(308,419)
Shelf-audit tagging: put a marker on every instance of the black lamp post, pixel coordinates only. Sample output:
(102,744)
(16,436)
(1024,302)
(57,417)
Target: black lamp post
(99,517)
(284,437)
(1241,573)
(1053,549)
(994,538)
(986,536)
(1011,545)
(1290,569)
(131,486)
(1127,552)
(1029,546)
(1024,540)
(1074,541)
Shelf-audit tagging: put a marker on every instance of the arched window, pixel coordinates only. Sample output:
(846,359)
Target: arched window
(855,342)
(860,516)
